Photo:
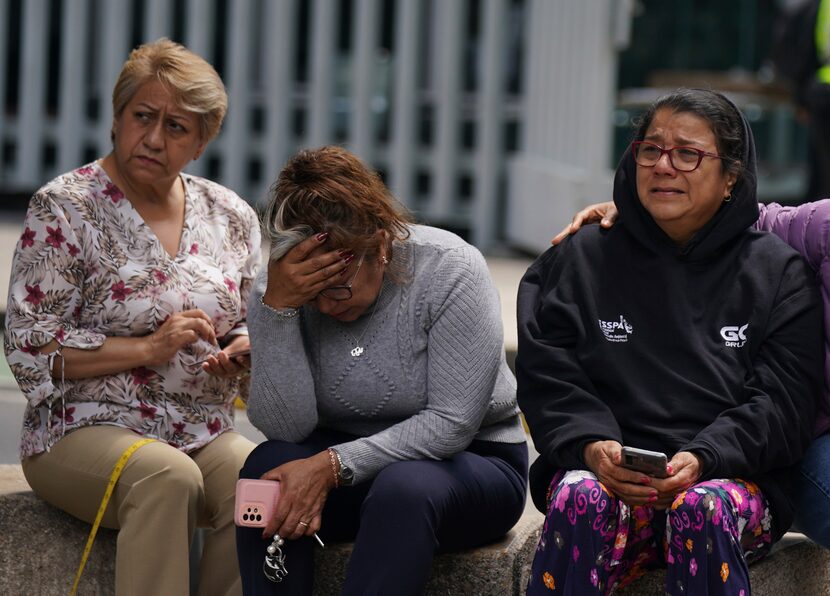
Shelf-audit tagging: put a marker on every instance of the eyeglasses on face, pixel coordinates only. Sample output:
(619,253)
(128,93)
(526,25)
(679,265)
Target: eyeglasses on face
(682,159)
(343,292)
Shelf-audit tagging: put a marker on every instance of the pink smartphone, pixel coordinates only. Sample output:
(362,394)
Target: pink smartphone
(255,502)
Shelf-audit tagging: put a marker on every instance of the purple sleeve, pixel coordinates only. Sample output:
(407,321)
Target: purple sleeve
(804,227)
(807,229)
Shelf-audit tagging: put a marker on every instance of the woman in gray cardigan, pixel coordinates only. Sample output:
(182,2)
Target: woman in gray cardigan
(379,378)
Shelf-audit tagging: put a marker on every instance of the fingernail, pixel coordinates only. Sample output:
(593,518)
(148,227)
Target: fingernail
(348,259)
(344,252)
(321,237)
(645,480)
(669,469)
(652,498)
(605,222)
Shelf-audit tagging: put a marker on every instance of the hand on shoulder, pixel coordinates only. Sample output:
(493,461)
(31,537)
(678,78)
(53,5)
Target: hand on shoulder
(604,213)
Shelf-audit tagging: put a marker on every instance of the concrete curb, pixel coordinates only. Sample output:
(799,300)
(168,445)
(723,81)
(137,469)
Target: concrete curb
(800,568)
(41,548)
(498,569)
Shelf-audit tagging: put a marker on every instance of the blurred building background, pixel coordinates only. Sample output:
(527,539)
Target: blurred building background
(497,119)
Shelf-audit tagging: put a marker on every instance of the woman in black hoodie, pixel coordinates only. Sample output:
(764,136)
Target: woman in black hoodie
(679,330)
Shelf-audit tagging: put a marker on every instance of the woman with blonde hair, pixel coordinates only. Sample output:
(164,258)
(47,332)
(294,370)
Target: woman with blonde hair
(127,300)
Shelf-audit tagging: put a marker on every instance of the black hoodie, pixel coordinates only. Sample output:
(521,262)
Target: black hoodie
(714,348)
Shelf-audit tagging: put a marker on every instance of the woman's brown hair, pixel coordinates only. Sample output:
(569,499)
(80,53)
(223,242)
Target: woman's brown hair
(331,190)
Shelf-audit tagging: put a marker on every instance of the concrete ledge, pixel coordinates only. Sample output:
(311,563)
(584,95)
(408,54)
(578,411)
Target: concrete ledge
(796,566)
(41,547)
(499,569)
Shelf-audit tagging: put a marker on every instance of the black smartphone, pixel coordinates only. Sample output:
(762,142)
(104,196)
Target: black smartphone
(245,352)
(652,463)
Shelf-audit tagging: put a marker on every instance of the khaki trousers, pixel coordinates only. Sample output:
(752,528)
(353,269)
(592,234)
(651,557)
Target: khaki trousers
(160,499)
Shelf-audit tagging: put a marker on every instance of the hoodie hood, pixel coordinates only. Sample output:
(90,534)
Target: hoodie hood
(732,219)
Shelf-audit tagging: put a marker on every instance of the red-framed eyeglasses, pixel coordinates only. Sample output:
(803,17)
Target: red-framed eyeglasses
(682,159)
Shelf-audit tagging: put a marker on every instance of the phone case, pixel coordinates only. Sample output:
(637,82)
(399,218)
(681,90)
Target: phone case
(652,463)
(255,502)
(245,352)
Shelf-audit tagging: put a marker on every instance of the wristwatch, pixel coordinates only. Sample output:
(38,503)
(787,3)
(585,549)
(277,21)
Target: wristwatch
(345,474)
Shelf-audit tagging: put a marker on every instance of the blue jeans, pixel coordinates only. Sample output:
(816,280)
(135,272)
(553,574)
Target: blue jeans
(812,492)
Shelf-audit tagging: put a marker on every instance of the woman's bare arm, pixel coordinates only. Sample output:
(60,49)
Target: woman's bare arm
(118,354)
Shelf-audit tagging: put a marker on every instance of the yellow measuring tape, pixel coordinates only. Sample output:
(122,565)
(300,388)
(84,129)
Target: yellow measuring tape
(116,473)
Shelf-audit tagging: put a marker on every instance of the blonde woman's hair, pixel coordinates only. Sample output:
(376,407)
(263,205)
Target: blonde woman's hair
(193,82)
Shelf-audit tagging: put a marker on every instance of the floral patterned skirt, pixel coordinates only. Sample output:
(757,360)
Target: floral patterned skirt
(593,543)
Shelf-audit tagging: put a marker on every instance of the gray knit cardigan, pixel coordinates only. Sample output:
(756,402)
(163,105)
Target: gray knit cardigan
(433,375)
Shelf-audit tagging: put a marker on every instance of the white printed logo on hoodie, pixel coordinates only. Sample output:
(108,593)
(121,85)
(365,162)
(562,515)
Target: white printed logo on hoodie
(734,336)
(616,331)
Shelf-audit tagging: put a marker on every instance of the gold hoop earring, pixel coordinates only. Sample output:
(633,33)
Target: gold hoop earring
(728,198)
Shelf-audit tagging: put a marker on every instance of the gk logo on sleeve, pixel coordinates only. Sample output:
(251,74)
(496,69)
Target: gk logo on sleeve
(733,336)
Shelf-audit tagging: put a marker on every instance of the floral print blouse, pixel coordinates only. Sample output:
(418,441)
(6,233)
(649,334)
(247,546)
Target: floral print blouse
(87,267)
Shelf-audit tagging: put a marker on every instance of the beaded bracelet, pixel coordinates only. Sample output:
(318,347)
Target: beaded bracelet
(333,461)
(285,313)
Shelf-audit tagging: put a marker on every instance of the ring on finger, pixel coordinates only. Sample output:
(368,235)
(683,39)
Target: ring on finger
(302,523)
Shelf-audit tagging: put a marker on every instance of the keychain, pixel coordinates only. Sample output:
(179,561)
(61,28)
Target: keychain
(274,565)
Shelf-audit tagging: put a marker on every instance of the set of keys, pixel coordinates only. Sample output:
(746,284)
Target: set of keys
(274,565)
